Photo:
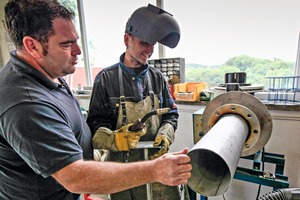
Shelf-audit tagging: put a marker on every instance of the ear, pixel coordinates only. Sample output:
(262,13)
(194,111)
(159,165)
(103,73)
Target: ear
(126,39)
(32,46)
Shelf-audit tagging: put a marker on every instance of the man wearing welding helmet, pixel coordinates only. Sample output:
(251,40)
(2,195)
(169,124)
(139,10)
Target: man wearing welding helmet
(129,89)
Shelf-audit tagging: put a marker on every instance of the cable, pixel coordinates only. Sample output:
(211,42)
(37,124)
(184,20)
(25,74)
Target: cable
(282,194)
(258,192)
(277,194)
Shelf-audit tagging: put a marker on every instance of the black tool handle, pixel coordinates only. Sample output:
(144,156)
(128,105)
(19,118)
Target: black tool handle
(140,123)
(137,125)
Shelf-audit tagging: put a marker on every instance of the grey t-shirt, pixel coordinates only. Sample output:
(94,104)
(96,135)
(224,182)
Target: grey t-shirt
(42,130)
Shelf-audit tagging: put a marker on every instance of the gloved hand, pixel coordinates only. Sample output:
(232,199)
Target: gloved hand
(118,140)
(164,142)
(104,139)
(125,139)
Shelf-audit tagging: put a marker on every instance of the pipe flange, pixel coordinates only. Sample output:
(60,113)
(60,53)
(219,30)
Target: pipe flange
(248,115)
(247,106)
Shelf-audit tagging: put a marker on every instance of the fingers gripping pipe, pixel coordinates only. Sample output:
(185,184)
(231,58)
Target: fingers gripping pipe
(235,124)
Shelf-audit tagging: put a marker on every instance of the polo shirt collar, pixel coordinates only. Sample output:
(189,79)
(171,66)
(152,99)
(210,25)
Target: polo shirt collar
(28,69)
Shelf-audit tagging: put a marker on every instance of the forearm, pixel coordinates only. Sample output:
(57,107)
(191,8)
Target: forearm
(167,130)
(104,177)
(99,109)
(107,177)
(171,118)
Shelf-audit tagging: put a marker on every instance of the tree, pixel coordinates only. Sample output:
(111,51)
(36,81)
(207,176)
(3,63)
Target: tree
(257,69)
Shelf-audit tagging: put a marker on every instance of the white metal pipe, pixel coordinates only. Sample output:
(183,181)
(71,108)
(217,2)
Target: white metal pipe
(215,157)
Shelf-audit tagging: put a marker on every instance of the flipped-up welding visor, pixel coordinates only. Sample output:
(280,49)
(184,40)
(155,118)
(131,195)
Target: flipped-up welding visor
(152,24)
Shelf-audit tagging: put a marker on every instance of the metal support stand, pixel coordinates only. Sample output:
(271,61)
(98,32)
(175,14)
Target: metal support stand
(255,175)
(148,186)
(146,145)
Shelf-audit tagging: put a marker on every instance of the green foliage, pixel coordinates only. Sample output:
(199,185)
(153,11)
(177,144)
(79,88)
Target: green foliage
(257,70)
(71,4)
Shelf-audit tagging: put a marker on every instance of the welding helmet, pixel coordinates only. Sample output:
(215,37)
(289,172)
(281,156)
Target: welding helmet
(152,24)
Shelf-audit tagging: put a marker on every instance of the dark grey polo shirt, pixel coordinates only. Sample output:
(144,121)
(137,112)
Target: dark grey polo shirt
(42,130)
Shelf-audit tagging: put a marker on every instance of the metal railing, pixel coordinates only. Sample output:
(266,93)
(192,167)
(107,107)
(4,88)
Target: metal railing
(284,89)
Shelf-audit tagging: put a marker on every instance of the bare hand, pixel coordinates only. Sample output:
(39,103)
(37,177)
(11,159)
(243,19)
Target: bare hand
(173,168)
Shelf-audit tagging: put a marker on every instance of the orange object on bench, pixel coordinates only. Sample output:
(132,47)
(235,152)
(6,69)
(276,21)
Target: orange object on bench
(189,91)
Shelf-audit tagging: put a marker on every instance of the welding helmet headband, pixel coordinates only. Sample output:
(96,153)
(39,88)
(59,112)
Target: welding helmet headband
(152,24)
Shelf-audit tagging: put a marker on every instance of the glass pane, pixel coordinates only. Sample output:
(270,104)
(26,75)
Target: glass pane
(262,36)
(78,79)
(105,24)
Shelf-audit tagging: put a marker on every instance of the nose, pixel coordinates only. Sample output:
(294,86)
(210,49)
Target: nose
(76,50)
(150,48)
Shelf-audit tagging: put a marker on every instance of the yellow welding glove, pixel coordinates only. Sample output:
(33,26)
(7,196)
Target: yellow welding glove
(125,139)
(104,139)
(118,140)
(164,143)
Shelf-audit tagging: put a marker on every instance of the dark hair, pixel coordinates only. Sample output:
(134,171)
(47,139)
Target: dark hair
(33,18)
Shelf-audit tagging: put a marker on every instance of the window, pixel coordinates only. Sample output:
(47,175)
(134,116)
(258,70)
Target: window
(215,31)
(105,25)
(216,36)
(78,80)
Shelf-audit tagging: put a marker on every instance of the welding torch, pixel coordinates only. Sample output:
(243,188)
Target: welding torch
(140,123)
